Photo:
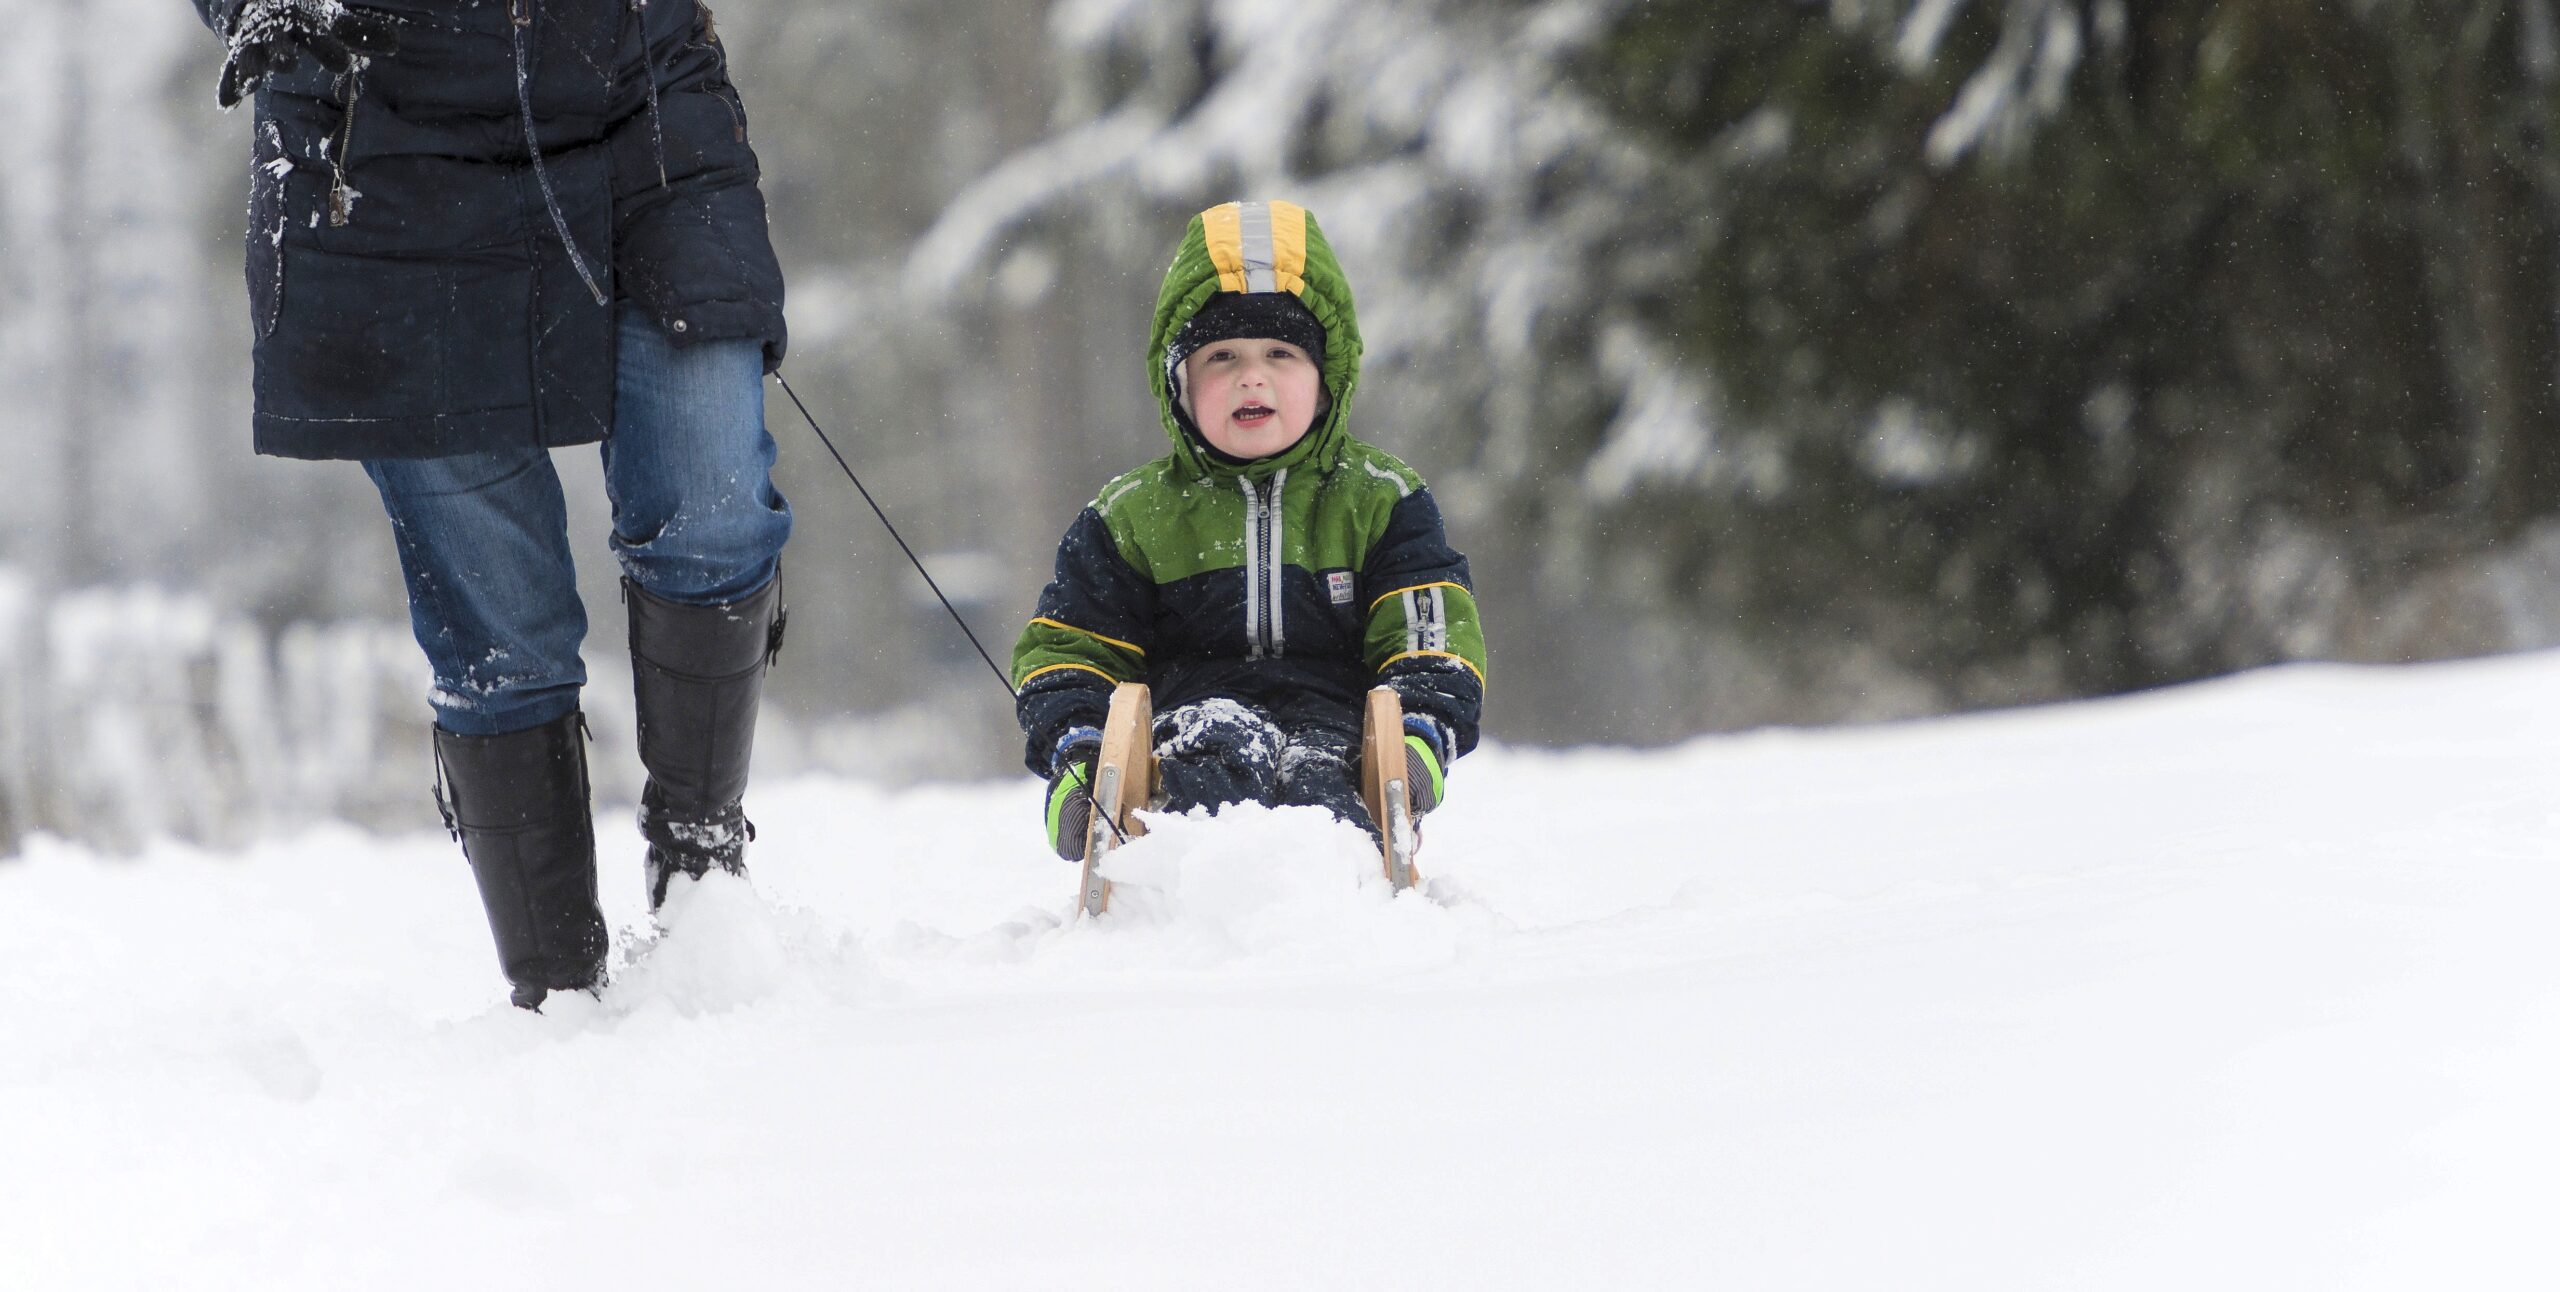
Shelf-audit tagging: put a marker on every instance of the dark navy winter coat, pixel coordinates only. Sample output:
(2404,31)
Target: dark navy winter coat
(411,289)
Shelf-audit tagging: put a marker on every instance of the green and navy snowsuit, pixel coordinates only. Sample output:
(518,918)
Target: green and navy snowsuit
(1287,586)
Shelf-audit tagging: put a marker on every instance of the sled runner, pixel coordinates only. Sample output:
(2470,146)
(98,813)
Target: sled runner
(1124,777)
(1382,786)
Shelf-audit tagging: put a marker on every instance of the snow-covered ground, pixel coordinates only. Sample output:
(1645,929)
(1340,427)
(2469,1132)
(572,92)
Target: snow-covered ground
(2248,985)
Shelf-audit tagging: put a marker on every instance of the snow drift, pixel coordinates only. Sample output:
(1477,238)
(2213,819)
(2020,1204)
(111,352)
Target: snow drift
(2244,985)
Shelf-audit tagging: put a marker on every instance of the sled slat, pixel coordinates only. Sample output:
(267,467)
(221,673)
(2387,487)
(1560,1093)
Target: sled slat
(1382,786)
(1124,779)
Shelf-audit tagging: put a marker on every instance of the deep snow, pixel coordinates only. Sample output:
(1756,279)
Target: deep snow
(2245,985)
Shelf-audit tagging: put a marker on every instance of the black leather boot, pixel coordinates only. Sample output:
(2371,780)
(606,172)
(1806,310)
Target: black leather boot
(518,803)
(698,674)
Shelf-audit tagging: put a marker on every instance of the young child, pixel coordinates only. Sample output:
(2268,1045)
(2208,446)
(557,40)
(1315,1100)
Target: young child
(1266,573)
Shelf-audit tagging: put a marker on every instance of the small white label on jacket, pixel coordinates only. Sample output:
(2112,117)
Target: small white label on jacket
(1339,584)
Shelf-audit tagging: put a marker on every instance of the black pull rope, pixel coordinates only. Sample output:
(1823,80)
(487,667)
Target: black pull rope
(1002,678)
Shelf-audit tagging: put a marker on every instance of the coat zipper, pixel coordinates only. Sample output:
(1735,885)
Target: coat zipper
(1264,629)
(1275,627)
(1252,566)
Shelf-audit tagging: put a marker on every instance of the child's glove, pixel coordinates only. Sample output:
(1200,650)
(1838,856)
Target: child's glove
(268,37)
(1426,743)
(1071,790)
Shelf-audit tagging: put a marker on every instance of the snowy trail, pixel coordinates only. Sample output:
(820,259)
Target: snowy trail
(2244,985)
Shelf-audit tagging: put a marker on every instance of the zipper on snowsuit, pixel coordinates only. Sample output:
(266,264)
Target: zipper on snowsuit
(1264,628)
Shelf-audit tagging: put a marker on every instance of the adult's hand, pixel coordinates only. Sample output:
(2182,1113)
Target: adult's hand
(268,37)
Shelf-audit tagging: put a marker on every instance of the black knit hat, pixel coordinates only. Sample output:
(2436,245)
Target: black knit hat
(1229,315)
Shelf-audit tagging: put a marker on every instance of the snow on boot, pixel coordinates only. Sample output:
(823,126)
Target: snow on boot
(697,673)
(519,804)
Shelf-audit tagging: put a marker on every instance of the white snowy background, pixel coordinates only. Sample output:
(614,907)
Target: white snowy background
(973,200)
(2245,985)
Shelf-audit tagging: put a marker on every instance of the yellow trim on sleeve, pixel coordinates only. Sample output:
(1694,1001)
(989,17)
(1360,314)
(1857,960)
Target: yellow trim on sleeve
(1442,654)
(1028,677)
(1289,246)
(1223,228)
(1139,651)
(1419,587)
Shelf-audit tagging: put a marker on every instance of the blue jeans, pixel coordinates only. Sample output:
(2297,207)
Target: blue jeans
(484,537)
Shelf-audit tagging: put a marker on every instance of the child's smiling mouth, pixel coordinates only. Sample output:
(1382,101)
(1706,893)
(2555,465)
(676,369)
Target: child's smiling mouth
(1254,414)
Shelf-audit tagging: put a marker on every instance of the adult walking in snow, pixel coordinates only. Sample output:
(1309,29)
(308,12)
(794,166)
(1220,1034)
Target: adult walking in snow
(482,230)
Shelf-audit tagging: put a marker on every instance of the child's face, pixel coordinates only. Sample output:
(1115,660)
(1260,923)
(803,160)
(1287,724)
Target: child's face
(1253,397)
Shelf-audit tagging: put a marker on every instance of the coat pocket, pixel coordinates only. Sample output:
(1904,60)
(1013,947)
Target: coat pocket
(365,340)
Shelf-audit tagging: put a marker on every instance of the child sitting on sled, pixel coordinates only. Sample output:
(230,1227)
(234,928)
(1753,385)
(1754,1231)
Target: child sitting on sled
(1266,573)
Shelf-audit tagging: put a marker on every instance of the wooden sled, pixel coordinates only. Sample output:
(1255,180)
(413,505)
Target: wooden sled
(1124,778)
(1382,786)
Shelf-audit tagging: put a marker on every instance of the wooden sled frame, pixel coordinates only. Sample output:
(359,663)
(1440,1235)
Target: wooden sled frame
(1125,779)
(1383,788)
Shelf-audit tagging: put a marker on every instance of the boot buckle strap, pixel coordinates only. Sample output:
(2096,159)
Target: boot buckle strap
(444,801)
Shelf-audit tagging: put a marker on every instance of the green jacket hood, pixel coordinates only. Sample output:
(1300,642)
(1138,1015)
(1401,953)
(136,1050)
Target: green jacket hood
(1258,247)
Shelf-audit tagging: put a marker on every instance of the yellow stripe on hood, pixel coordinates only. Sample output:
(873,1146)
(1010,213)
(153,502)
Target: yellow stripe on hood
(1258,246)
(1289,246)
(1223,226)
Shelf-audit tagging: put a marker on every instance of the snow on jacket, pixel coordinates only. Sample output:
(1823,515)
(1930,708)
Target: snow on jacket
(411,292)
(1295,582)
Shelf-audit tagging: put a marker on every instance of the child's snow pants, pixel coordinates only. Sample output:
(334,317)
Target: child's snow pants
(1219,751)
